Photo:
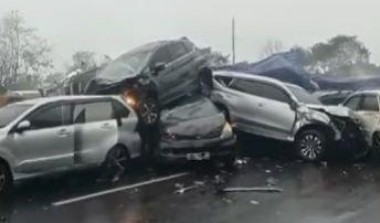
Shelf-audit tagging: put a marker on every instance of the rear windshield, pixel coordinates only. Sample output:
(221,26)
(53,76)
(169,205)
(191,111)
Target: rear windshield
(11,112)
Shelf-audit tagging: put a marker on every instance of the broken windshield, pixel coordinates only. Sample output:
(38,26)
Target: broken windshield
(303,96)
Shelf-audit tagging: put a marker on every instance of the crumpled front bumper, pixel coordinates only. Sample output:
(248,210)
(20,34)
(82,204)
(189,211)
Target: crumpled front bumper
(178,150)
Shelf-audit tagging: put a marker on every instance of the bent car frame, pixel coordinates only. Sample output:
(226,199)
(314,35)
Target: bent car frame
(267,107)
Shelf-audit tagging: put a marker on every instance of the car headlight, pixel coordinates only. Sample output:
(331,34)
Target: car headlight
(227,130)
(130,98)
(166,135)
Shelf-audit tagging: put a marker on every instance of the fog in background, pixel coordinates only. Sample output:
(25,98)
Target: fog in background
(114,26)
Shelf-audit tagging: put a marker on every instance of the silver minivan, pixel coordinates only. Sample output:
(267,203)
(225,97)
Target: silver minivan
(46,135)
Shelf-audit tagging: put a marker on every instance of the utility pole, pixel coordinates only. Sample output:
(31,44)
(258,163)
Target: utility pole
(233,40)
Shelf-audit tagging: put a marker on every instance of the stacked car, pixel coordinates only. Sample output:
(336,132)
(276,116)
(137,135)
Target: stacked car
(171,100)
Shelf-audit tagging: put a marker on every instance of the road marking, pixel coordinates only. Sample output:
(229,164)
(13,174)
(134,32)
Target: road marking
(117,189)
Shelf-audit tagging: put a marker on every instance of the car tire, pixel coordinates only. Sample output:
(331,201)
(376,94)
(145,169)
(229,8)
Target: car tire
(6,180)
(311,144)
(376,145)
(117,160)
(149,111)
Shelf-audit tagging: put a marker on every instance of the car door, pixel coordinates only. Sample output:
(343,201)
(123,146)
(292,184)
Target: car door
(263,108)
(49,143)
(95,131)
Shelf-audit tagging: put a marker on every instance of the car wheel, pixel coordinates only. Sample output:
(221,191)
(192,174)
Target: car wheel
(311,144)
(376,145)
(117,159)
(5,179)
(149,111)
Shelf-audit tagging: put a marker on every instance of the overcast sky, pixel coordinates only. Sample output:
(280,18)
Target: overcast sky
(114,26)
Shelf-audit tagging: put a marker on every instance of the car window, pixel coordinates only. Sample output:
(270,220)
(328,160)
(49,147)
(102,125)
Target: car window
(10,112)
(93,112)
(162,55)
(225,81)
(120,110)
(369,103)
(177,50)
(48,117)
(260,90)
(353,103)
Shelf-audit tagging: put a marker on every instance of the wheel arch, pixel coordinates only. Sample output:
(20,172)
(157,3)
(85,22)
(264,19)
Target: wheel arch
(325,129)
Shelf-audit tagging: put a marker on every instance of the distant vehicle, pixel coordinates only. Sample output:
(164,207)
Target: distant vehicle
(196,130)
(270,108)
(16,96)
(46,135)
(153,75)
(367,106)
(332,97)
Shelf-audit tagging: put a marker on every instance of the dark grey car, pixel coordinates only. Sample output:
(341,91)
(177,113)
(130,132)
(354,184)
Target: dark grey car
(195,130)
(153,75)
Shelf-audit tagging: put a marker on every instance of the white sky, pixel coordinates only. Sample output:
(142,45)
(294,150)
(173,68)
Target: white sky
(114,26)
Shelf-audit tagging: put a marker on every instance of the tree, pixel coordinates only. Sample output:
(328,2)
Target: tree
(337,53)
(24,56)
(271,47)
(87,60)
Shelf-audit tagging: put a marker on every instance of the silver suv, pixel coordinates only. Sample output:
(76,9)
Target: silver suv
(270,108)
(59,133)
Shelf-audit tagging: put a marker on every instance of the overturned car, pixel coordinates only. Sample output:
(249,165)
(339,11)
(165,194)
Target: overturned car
(270,108)
(195,129)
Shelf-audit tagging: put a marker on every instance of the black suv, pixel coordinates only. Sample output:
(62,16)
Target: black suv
(154,75)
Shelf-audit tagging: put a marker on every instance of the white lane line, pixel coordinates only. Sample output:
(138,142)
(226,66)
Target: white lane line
(117,189)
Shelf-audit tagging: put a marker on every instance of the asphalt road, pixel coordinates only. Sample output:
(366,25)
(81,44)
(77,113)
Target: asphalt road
(331,191)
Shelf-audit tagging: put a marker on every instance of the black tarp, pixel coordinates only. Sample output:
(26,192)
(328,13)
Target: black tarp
(282,66)
(344,82)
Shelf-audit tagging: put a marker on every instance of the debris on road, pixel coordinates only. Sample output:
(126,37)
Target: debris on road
(182,189)
(252,189)
(254,202)
(271,182)
(268,171)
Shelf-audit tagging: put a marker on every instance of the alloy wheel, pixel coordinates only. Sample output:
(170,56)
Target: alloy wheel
(311,146)
(117,158)
(149,112)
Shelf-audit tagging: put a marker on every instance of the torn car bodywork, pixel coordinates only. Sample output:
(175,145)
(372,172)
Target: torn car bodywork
(196,126)
(273,109)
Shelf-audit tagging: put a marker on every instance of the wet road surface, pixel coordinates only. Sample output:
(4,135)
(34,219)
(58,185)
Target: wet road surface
(332,191)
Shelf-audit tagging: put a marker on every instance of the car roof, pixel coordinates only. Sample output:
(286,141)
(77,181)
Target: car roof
(368,92)
(235,74)
(45,100)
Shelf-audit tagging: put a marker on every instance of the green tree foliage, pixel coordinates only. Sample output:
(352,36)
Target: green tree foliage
(339,55)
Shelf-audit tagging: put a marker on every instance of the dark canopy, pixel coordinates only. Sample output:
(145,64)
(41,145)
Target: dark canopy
(281,66)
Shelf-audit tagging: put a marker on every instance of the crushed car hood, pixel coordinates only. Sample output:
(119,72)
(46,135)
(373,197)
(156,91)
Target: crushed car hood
(333,110)
(115,73)
(197,117)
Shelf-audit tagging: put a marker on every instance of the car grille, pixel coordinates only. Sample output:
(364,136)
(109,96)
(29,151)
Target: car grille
(213,134)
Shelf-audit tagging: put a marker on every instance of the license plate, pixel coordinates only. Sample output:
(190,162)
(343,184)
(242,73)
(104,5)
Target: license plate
(198,156)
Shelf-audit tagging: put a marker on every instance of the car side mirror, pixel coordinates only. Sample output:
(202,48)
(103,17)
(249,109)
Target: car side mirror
(158,67)
(22,126)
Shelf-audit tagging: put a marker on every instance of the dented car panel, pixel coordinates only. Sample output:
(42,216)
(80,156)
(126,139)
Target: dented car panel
(195,126)
(270,108)
(366,106)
